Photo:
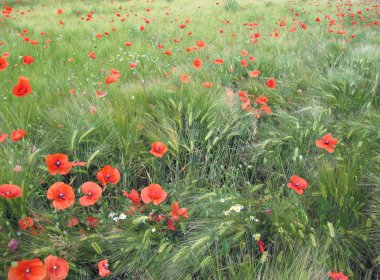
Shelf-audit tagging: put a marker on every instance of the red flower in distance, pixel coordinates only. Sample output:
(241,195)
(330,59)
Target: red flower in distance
(337,275)
(26,223)
(22,88)
(27,59)
(3,63)
(197,64)
(271,83)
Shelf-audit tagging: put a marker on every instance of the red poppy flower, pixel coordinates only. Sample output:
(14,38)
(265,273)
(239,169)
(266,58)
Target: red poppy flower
(327,142)
(243,63)
(337,276)
(207,84)
(103,268)
(72,222)
(93,193)
(17,135)
(168,52)
(197,64)
(108,174)
(62,195)
(185,78)
(57,268)
(92,221)
(298,184)
(10,191)
(271,83)
(111,79)
(179,212)
(27,59)
(254,73)
(128,44)
(158,149)
(3,137)
(26,223)
(27,270)
(218,61)
(22,88)
(261,246)
(3,63)
(200,44)
(58,163)
(153,193)
(133,196)
(92,55)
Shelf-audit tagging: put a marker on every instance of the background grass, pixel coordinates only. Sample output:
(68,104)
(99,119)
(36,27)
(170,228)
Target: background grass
(219,155)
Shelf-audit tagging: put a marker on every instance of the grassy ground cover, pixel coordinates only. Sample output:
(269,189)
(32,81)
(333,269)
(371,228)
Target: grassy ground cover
(238,94)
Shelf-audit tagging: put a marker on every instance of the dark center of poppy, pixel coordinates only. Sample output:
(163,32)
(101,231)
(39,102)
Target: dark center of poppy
(61,196)
(55,267)
(7,193)
(27,270)
(108,176)
(327,142)
(89,194)
(58,163)
(297,184)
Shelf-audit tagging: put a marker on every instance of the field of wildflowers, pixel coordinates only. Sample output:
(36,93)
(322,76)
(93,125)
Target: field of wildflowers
(177,139)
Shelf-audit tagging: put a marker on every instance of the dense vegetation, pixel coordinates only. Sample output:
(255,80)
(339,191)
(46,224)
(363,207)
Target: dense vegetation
(238,92)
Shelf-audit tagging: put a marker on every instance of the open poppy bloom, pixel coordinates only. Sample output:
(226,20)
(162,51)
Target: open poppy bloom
(10,191)
(133,196)
(62,195)
(22,88)
(108,174)
(92,193)
(92,55)
(185,78)
(3,63)
(271,83)
(197,64)
(207,84)
(27,270)
(327,142)
(57,268)
(58,164)
(158,149)
(26,59)
(25,223)
(17,135)
(153,193)
(337,276)
(103,268)
(298,184)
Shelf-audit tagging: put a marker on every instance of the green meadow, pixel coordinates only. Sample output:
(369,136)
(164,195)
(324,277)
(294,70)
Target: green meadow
(230,153)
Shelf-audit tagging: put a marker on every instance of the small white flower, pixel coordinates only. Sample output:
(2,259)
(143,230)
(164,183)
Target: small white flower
(222,200)
(153,230)
(122,216)
(256,236)
(253,219)
(112,214)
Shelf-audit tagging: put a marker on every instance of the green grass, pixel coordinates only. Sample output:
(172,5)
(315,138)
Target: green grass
(218,154)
